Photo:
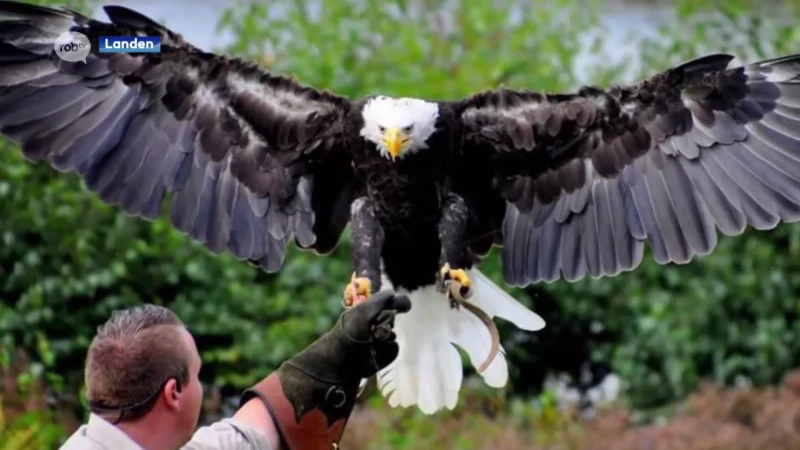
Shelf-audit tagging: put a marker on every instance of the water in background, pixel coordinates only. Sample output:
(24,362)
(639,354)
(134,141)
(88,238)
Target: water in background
(197,22)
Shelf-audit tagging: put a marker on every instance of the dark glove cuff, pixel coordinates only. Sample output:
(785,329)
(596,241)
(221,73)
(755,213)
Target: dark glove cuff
(309,413)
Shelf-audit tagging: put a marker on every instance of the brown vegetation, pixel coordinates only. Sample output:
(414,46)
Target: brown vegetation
(712,419)
(19,399)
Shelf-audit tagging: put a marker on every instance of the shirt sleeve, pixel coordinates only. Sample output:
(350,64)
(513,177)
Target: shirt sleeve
(228,434)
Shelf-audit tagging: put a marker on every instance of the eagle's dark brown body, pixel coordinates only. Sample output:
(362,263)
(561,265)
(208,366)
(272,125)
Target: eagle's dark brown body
(407,197)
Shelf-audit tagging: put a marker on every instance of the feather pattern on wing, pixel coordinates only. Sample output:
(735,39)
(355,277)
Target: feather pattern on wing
(253,159)
(589,177)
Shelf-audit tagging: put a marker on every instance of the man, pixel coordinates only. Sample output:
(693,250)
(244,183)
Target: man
(144,392)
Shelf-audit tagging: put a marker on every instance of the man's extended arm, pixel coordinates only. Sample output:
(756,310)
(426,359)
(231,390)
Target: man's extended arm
(256,415)
(236,434)
(306,403)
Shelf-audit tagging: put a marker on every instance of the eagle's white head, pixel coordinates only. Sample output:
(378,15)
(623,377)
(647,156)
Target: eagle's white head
(399,126)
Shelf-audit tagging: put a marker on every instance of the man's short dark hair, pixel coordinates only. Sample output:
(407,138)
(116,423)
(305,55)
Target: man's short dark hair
(133,354)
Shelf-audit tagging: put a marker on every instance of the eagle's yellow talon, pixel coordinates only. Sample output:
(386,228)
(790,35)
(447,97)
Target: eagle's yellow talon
(456,281)
(460,275)
(358,290)
(457,284)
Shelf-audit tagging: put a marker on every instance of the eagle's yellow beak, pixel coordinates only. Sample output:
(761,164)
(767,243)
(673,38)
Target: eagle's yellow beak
(394,139)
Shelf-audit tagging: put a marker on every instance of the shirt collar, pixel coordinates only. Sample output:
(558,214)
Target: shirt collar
(108,435)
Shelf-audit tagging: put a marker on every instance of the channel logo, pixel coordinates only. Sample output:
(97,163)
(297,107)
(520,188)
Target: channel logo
(72,47)
(130,44)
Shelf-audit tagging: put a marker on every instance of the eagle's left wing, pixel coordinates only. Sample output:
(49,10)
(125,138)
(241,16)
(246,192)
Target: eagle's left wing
(251,160)
(589,177)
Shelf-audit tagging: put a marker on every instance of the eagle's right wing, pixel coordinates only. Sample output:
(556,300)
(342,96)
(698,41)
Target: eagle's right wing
(253,159)
(581,181)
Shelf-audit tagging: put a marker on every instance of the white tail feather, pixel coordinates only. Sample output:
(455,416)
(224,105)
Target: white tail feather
(428,371)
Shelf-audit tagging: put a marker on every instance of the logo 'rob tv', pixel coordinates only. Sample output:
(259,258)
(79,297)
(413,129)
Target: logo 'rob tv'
(130,44)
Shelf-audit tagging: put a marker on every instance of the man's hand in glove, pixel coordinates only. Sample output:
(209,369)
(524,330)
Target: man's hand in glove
(311,396)
(360,344)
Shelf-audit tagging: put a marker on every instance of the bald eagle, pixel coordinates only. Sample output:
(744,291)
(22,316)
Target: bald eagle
(569,185)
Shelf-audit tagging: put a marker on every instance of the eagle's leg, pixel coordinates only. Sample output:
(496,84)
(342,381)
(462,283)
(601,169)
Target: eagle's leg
(367,245)
(455,258)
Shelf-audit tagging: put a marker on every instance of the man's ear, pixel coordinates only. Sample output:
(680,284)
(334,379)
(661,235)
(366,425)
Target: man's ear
(172,394)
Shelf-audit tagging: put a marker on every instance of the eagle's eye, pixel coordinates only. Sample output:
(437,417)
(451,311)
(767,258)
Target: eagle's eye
(408,129)
(381,128)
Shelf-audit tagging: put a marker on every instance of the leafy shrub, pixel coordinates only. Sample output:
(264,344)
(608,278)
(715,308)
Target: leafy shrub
(31,430)
(25,422)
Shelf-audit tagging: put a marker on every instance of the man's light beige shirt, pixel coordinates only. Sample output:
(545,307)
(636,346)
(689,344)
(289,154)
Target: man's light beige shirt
(227,434)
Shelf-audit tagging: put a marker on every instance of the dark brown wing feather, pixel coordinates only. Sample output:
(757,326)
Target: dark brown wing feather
(253,159)
(590,177)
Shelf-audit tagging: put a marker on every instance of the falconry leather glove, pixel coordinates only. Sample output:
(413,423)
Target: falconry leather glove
(312,395)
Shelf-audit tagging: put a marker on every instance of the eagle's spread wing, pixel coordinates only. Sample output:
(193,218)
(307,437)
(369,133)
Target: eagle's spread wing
(590,177)
(253,159)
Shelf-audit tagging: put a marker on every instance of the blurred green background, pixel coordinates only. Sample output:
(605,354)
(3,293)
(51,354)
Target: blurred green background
(67,260)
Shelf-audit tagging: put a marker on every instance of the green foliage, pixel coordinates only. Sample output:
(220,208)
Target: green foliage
(31,430)
(424,48)
(746,28)
(67,260)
